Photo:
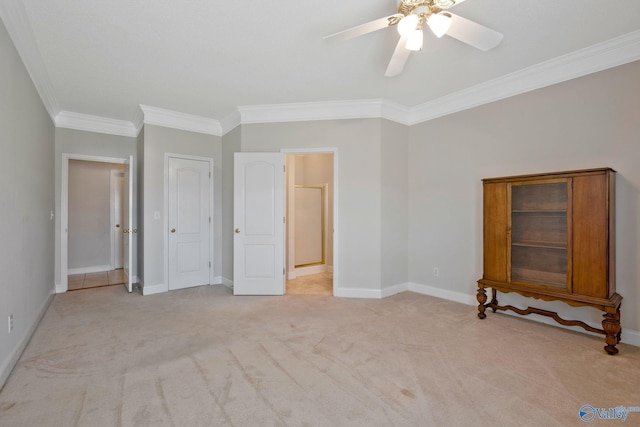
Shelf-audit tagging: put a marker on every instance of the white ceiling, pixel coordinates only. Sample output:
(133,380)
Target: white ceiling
(208,57)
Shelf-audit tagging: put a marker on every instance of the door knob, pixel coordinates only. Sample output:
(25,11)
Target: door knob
(135,230)
(237,230)
(117,225)
(125,231)
(173,230)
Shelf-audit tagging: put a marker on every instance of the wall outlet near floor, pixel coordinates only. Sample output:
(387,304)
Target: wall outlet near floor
(10,323)
(436,271)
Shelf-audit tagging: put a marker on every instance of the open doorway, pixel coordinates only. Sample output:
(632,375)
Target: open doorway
(95,255)
(310,190)
(127,226)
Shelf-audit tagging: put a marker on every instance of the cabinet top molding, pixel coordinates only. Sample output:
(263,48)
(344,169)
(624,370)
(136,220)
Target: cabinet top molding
(549,175)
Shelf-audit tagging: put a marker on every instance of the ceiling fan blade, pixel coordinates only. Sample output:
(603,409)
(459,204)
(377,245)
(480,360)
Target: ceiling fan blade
(473,34)
(360,30)
(399,58)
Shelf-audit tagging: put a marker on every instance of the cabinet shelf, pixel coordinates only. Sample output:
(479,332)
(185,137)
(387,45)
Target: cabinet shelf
(539,277)
(540,211)
(540,244)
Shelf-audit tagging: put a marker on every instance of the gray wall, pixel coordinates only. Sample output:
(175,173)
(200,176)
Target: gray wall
(90,214)
(158,141)
(26,189)
(394,205)
(82,143)
(358,221)
(583,123)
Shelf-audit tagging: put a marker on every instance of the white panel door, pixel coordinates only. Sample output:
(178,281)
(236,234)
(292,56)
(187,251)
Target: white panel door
(128,228)
(189,223)
(258,249)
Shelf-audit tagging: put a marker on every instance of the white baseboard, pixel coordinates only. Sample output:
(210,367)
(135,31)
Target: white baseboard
(59,288)
(314,269)
(357,293)
(154,289)
(226,282)
(304,271)
(396,289)
(217,280)
(10,362)
(86,270)
(629,336)
(370,293)
(443,293)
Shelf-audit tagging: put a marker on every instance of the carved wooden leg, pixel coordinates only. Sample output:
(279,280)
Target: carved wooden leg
(494,299)
(482,299)
(619,336)
(612,329)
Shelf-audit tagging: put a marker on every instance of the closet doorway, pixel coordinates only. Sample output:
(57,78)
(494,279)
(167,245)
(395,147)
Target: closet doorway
(310,189)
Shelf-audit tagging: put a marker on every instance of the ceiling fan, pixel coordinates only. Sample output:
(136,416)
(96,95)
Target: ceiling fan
(410,18)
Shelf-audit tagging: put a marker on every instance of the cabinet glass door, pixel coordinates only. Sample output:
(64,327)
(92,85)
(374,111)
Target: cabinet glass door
(539,236)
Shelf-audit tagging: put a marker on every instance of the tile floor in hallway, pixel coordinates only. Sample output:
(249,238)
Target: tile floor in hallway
(95,280)
(313,284)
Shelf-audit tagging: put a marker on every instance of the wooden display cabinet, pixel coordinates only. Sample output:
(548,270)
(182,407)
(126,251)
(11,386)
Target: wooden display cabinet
(552,236)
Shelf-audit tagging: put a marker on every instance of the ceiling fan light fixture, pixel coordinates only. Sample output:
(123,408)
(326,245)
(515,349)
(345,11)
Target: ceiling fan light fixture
(439,23)
(408,25)
(415,40)
(444,3)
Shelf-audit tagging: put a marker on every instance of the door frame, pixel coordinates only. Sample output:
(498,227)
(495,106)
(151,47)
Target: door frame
(166,213)
(64,210)
(334,195)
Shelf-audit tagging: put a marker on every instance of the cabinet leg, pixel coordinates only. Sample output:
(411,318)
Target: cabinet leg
(494,299)
(482,299)
(612,329)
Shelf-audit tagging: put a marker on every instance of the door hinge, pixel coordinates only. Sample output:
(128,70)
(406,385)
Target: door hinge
(209,264)
(284,220)
(209,220)
(283,272)
(209,174)
(284,168)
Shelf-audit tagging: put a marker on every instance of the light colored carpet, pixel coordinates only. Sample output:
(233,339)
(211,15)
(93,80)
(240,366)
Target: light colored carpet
(202,357)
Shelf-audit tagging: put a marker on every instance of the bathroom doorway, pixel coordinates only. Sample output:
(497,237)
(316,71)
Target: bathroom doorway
(310,192)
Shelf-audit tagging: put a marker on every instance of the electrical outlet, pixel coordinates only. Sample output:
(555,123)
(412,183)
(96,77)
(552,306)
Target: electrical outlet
(10,323)
(436,271)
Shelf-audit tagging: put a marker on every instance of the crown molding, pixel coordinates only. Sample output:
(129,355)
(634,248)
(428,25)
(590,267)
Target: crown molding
(305,111)
(138,121)
(176,120)
(395,112)
(15,20)
(230,122)
(79,121)
(618,51)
